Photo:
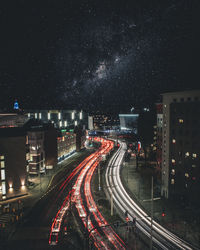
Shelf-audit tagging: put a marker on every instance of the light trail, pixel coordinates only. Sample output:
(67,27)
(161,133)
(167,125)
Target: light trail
(85,171)
(162,237)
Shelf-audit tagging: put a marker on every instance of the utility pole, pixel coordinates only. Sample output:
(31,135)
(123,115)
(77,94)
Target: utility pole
(151,212)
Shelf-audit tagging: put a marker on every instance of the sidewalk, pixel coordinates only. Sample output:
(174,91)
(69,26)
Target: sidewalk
(182,221)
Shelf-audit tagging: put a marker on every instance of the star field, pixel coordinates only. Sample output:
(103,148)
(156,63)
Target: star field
(96,55)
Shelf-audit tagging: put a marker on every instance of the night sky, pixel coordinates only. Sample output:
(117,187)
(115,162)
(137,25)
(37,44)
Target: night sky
(97,55)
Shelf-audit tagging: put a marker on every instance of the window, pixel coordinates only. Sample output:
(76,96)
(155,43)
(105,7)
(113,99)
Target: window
(187,154)
(2,165)
(173,172)
(194,155)
(182,99)
(173,161)
(189,99)
(180,120)
(172,181)
(187,175)
(174,100)
(2,157)
(173,141)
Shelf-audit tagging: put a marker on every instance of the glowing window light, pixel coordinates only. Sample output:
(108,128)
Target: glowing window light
(40,116)
(49,116)
(35,115)
(76,123)
(187,175)
(180,120)
(173,171)
(187,154)
(65,123)
(60,123)
(59,115)
(2,164)
(3,188)
(173,161)
(173,141)
(73,115)
(29,115)
(3,175)
(194,155)
(172,181)
(81,115)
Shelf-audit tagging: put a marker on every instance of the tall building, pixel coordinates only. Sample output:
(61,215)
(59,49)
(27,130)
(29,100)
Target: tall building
(13,162)
(181,145)
(159,126)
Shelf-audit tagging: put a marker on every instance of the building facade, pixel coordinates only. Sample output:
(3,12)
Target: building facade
(37,153)
(60,118)
(180,145)
(66,142)
(13,162)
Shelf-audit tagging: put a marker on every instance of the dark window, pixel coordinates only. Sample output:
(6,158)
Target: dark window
(174,100)
(189,98)
(182,99)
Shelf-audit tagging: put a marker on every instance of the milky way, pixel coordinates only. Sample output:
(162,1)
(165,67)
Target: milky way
(98,55)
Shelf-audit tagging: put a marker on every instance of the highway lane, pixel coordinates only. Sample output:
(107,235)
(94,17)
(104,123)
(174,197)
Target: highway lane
(81,196)
(162,238)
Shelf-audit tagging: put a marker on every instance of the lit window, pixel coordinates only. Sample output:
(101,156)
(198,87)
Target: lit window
(4,188)
(193,166)
(2,164)
(172,181)
(187,175)
(187,154)
(35,115)
(2,157)
(73,115)
(40,116)
(173,171)
(173,141)
(59,115)
(75,123)
(194,155)
(173,161)
(3,176)
(65,123)
(180,120)
(33,148)
(29,115)
(49,116)
(60,123)
(81,115)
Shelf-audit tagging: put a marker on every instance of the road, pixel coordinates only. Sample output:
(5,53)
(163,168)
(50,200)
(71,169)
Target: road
(80,196)
(162,238)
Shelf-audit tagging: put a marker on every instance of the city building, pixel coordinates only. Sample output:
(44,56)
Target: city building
(37,153)
(181,145)
(60,118)
(12,120)
(66,141)
(129,122)
(13,162)
(100,121)
(159,125)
